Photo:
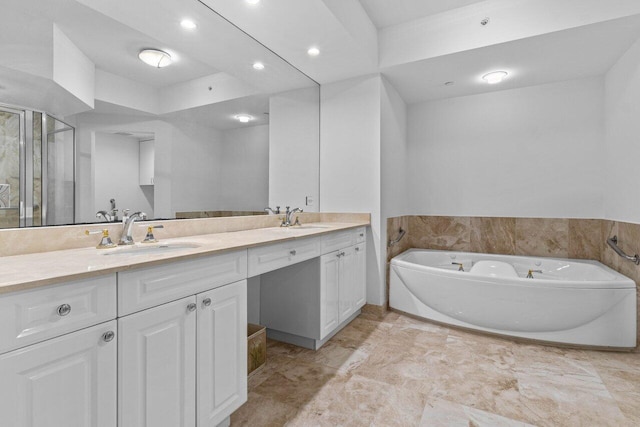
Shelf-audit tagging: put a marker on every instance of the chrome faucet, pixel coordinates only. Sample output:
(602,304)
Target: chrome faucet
(110,216)
(273,212)
(127,223)
(286,221)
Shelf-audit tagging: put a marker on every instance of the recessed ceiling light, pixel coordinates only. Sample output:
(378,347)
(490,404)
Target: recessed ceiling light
(253,1)
(313,51)
(495,77)
(188,24)
(155,58)
(243,118)
(258,66)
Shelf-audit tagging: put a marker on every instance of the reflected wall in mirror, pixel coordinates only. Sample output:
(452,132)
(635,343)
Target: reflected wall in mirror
(167,141)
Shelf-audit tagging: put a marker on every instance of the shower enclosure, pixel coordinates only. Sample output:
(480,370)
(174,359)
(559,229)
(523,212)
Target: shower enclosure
(37,169)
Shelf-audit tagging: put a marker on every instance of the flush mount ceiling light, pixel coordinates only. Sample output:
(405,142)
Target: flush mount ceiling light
(313,51)
(188,24)
(253,1)
(155,58)
(243,118)
(258,66)
(495,77)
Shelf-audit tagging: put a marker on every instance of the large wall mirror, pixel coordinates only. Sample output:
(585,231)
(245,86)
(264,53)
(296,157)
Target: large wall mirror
(218,126)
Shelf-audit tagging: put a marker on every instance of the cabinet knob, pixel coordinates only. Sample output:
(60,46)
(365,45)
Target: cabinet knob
(206,302)
(293,252)
(108,336)
(361,234)
(64,309)
(191,307)
(357,248)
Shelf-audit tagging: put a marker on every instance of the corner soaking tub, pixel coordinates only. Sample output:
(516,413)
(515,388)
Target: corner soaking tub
(565,301)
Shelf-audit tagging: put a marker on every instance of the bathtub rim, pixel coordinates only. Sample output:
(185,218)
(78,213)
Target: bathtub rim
(619,282)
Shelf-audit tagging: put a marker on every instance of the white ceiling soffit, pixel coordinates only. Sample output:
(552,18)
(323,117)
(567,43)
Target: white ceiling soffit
(385,13)
(460,29)
(564,55)
(219,115)
(341,29)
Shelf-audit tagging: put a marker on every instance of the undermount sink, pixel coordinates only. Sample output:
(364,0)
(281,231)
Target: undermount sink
(300,227)
(144,249)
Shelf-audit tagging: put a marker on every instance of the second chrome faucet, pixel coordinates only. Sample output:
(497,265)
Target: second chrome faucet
(286,221)
(127,223)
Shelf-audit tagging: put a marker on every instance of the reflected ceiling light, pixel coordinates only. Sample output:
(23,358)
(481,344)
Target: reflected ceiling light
(155,58)
(258,66)
(495,77)
(313,51)
(243,118)
(188,24)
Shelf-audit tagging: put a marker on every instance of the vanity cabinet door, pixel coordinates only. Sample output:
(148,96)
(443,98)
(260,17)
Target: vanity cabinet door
(347,282)
(222,352)
(157,366)
(146,162)
(68,381)
(329,292)
(360,276)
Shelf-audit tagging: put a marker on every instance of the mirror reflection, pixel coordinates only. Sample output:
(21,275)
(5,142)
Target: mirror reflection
(217,126)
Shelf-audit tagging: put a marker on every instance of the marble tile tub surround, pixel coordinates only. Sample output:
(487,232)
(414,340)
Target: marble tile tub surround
(553,237)
(35,239)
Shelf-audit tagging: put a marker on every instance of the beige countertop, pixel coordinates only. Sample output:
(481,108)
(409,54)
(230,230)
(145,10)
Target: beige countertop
(20,272)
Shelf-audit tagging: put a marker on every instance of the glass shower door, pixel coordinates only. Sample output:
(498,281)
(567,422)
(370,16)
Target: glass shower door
(58,188)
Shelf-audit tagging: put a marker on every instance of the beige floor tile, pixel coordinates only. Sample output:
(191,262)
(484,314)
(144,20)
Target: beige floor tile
(402,371)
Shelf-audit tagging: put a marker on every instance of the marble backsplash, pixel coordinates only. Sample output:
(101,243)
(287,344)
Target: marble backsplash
(553,237)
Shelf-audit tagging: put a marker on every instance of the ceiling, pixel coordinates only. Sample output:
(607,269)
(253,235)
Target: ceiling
(384,13)
(564,55)
(419,45)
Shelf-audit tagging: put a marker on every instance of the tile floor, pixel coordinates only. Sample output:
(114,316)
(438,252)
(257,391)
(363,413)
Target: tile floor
(398,371)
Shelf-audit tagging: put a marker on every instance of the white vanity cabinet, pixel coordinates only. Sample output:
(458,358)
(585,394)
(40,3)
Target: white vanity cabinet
(183,363)
(307,303)
(59,355)
(342,286)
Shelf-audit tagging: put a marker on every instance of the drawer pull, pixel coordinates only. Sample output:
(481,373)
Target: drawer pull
(293,252)
(206,302)
(64,309)
(340,254)
(108,336)
(191,307)
(361,234)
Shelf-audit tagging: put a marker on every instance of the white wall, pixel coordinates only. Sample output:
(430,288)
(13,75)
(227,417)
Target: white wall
(622,141)
(116,174)
(350,163)
(196,160)
(528,152)
(72,69)
(293,149)
(244,169)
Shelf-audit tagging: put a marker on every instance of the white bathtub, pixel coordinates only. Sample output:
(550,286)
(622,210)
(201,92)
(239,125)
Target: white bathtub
(569,301)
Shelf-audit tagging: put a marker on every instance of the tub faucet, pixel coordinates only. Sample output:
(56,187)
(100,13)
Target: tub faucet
(460,265)
(286,222)
(530,273)
(110,216)
(127,223)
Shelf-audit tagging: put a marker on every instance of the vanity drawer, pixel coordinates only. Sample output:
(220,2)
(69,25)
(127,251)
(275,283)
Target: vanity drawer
(338,240)
(31,316)
(268,258)
(361,234)
(151,286)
